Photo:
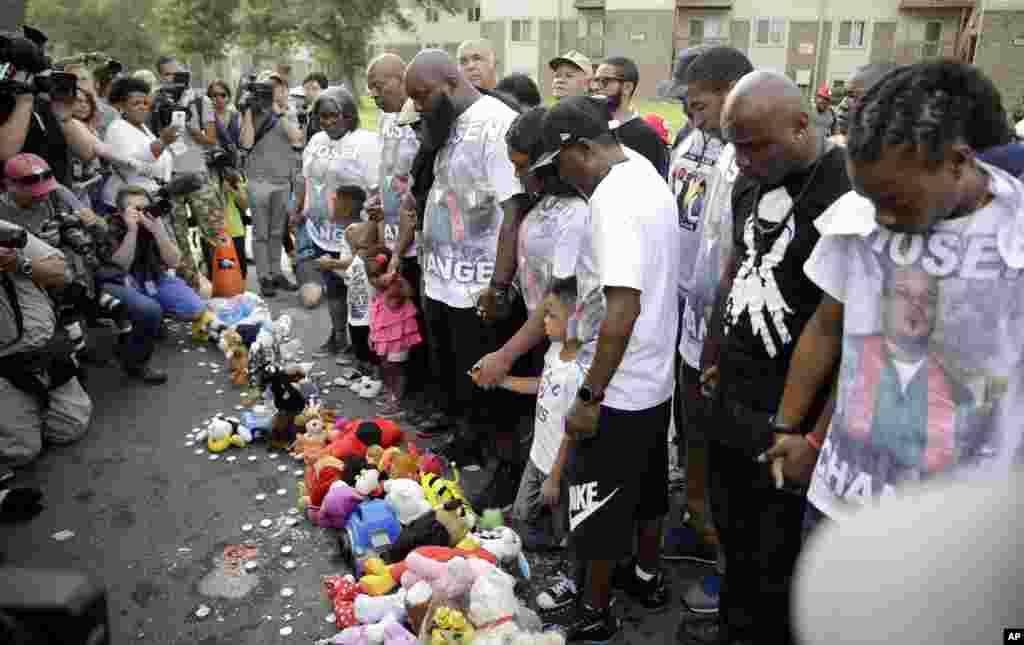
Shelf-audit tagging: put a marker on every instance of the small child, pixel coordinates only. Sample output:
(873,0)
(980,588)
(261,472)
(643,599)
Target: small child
(393,327)
(360,297)
(539,506)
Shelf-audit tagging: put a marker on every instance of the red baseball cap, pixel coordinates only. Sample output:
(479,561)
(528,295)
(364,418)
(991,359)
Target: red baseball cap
(30,172)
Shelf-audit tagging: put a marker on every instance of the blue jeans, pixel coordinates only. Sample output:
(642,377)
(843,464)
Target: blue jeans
(146,309)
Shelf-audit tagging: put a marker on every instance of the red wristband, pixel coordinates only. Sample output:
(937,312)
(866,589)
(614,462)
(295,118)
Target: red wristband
(814,440)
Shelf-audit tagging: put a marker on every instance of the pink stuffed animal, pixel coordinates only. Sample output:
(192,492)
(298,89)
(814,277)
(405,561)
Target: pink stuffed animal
(453,577)
(387,632)
(339,502)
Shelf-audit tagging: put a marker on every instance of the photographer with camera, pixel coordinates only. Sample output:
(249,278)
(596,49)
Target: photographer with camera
(191,113)
(234,192)
(40,394)
(141,249)
(273,142)
(130,137)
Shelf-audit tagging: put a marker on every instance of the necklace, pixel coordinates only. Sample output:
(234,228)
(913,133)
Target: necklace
(761,231)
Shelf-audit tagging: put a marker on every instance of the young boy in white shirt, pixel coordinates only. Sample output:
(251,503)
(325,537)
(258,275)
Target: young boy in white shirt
(539,507)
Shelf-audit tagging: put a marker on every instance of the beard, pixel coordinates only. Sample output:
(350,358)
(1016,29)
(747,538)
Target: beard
(438,122)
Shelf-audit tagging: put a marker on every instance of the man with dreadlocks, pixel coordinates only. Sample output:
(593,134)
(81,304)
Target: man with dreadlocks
(788,177)
(925,203)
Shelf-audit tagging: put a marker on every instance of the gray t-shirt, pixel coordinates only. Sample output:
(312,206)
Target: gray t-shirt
(38,317)
(272,159)
(193,158)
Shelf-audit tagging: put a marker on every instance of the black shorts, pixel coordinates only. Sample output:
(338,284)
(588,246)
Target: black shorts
(617,478)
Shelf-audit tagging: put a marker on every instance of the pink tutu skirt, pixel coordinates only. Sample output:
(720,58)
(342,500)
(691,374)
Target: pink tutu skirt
(393,330)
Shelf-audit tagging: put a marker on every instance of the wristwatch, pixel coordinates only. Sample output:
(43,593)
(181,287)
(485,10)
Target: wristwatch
(779,428)
(588,396)
(24,265)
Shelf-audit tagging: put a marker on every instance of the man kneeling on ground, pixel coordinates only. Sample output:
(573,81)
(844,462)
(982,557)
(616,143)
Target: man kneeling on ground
(40,394)
(136,273)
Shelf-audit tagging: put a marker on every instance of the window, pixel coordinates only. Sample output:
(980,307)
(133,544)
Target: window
(590,31)
(769,31)
(473,14)
(706,31)
(932,40)
(851,33)
(521,31)
(433,15)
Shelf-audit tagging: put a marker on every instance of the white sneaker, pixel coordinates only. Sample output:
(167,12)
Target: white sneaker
(370,389)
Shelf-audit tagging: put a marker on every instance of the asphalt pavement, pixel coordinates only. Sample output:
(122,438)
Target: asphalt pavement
(163,525)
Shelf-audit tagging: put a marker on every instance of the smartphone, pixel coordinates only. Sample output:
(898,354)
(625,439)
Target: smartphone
(63,85)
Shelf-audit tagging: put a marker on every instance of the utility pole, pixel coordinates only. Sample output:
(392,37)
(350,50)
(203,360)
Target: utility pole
(816,80)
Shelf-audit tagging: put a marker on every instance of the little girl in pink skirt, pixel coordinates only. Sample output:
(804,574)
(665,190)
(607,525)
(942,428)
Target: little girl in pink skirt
(393,328)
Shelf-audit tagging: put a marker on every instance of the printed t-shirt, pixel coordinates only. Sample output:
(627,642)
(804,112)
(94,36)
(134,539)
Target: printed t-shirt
(930,381)
(360,293)
(550,234)
(771,298)
(473,176)
(712,253)
(559,383)
(327,164)
(633,243)
(399,146)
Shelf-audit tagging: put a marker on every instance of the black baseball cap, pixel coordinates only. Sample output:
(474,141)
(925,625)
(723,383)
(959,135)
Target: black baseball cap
(572,119)
(677,87)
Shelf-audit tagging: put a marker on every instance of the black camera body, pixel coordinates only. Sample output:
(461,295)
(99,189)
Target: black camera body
(22,58)
(257,96)
(12,237)
(162,203)
(222,160)
(168,100)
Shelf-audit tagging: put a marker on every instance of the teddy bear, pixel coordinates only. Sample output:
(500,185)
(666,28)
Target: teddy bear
(446,526)
(311,443)
(387,632)
(373,456)
(453,577)
(492,610)
(407,498)
(237,355)
(404,466)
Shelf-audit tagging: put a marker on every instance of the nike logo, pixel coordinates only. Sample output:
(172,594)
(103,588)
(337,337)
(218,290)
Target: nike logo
(583,503)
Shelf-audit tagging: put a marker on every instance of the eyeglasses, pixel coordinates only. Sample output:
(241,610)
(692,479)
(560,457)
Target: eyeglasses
(605,81)
(35,178)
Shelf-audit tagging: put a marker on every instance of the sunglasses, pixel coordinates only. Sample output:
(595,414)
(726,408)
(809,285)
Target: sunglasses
(30,180)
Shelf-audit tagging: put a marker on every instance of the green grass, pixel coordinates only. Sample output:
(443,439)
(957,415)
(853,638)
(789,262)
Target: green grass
(672,112)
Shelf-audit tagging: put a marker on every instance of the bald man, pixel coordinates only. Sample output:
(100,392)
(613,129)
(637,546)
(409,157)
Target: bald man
(788,177)
(474,195)
(479,63)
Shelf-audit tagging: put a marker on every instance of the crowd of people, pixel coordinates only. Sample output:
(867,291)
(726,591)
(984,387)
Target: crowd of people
(558,292)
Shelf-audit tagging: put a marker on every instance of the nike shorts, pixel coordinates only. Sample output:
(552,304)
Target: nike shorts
(617,478)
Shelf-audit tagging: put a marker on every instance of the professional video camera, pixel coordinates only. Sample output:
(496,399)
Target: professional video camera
(222,159)
(167,103)
(12,237)
(257,96)
(26,69)
(162,204)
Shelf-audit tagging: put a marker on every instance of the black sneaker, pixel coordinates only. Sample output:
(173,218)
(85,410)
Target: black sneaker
(685,543)
(588,625)
(701,632)
(559,595)
(283,284)
(267,288)
(652,594)
(147,375)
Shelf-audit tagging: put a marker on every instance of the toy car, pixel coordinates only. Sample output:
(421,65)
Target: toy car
(372,527)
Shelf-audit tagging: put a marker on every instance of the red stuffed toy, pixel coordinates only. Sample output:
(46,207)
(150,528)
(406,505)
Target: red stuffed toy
(358,435)
(342,591)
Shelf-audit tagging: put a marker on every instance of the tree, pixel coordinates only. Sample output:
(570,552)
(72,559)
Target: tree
(77,26)
(201,28)
(339,30)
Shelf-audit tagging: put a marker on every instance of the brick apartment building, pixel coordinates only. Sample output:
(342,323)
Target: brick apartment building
(813,41)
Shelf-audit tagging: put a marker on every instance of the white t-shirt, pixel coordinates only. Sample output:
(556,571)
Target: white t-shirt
(327,164)
(360,293)
(472,177)
(634,243)
(550,234)
(559,383)
(132,142)
(712,253)
(952,299)
(399,146)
